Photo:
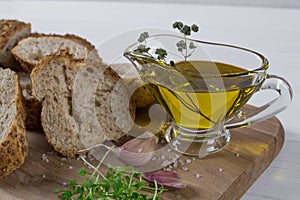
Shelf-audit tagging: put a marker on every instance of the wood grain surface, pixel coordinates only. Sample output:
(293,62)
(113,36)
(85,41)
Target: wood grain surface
(226,175)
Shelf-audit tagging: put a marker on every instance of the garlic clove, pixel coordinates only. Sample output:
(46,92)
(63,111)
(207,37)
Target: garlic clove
(168,179)
(138,151)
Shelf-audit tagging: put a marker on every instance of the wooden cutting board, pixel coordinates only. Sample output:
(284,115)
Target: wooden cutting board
(226,175)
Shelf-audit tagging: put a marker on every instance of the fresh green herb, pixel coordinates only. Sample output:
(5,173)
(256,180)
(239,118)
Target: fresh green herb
(120,184)
(182,44)
(162,54)
(183,47)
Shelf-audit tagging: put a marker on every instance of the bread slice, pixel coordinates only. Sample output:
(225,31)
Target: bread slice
(83,103)
(31,50)
(11,31)
(13,141)
(130,75)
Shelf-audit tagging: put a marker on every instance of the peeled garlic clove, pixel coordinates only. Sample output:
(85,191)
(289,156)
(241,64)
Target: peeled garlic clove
(138,151)
(168,179)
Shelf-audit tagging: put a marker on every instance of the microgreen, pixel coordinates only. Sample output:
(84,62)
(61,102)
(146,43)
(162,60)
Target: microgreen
(118,183)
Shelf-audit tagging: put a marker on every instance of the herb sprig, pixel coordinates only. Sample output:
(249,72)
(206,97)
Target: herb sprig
(117,184)
(182,46)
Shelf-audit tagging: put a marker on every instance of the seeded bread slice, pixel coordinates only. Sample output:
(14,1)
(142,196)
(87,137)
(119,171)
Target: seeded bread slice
(130,75)
(83,103)
(13,142)
(11,31)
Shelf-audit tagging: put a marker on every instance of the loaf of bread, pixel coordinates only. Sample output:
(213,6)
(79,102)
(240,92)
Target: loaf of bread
(11,31)
(31,50)
(129,74)
(13,141)
(83,103)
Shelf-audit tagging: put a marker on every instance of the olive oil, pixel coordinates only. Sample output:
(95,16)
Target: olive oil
(199,94)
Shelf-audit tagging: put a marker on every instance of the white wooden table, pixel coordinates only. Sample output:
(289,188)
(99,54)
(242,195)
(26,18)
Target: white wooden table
(273,32)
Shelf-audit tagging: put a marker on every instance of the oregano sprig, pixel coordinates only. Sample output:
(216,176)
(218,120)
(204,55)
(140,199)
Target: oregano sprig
(182,45)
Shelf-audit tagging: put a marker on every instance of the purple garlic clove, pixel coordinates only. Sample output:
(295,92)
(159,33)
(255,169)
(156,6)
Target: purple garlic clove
(138,151)
(168,179)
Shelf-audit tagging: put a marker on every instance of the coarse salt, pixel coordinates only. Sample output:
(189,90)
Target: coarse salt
(188,161)
(185,168)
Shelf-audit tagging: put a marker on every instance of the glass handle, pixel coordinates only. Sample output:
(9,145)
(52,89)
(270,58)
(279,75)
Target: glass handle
(268,110)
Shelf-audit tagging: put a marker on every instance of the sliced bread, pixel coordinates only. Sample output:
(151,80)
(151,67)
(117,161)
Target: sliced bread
(83,103)
(31,50)
(130,75)
(11,31)
(13,141)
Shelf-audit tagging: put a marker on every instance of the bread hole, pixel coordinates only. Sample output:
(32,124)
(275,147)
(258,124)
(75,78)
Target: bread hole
(2,158)
(97,103)
(56,80)
(55,99)
(90,70)
(5,143)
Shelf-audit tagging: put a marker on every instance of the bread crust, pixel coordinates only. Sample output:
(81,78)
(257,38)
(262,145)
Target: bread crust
(14,144)
(8,30)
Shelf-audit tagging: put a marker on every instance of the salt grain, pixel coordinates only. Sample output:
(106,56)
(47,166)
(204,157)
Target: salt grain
(64,183)
(165,163)
(63,159)
(44,157)
(168,169)
(162,157)
(198,176)
(154,158)
(44,176)
(70,167)
(193,159)
(169,150)
(220,169)
(175,164)
(185,168)
(237,155)
(188,161)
